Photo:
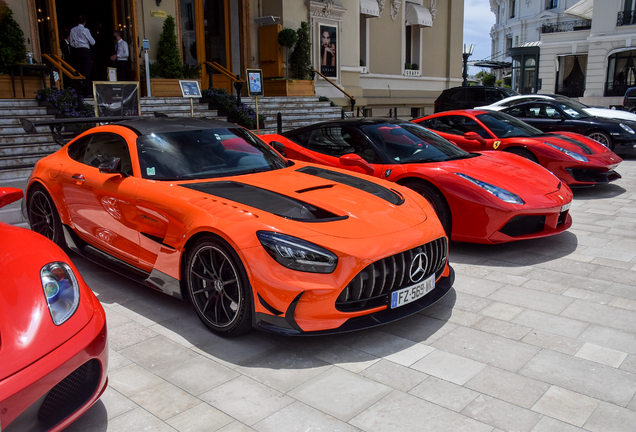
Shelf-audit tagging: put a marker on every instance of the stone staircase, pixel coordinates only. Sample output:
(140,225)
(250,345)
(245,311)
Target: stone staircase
(19,152)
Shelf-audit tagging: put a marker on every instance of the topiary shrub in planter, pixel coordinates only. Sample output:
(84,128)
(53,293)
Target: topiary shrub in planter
(300,60)
(169,64)
(12,44)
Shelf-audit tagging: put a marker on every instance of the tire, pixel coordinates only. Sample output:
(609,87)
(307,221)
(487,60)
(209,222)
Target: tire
(601,137)
(436,200)
(523,153)
(218,287)
(43,216)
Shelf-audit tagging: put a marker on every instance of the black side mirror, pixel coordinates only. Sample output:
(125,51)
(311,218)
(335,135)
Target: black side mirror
(111,166)
(279,147)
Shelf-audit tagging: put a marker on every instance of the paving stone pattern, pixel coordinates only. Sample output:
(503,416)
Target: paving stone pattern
(535,336)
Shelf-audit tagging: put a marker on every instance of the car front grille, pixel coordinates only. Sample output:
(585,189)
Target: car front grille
(593,175)
(524,225)
(371,287)
(70,393)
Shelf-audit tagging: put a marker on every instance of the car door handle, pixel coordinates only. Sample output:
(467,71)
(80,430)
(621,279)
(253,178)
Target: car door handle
(79,179)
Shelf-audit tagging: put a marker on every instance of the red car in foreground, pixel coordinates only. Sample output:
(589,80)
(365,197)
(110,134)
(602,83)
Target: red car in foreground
(53,345)
(490,197)
(574,158)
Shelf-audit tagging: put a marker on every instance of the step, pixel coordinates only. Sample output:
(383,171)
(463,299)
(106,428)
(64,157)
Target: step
(15,173)
(21,161)
(10,103)
(15,119)
(21,149)
(22,111)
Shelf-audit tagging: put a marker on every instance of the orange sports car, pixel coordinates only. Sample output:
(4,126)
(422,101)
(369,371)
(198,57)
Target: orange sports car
(204,210)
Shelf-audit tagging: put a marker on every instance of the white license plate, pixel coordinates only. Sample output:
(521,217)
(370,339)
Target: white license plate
(566,207)
(412,293)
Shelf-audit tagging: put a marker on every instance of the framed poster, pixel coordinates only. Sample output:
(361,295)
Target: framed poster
(254,82)
(328,51)
(190,89)
(112,74)
(116,98)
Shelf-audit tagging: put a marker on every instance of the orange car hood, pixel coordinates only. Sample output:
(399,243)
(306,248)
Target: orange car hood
(27,332)
(345,210)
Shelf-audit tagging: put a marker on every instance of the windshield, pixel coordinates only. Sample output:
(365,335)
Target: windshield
(204,154)
(572,109)
(506,126)
(410,143)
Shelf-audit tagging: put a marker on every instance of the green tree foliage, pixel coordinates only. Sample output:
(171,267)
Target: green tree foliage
(12,44)
(287,38)
(169,62)
(300,60)
(488,79)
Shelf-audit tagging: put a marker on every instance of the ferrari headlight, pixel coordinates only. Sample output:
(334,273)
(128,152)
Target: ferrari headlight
(61,291)
(626,128)
(297,254)
(573,155)
(500,193)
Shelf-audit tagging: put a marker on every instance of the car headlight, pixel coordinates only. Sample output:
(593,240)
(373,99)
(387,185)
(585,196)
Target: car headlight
(573,155)
(297,254)
(627,128)
(61,291)
(500,193)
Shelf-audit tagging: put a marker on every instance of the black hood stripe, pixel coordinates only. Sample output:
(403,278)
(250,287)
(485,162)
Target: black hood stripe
(355,182)
(266,200)
(582,146)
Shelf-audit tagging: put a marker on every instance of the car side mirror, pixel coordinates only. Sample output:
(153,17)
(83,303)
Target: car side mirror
(10,195)
(111,166)
(279,147)
(474,136)
(352,159)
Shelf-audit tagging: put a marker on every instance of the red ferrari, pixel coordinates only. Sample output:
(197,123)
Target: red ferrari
(490,197)
(53,346)
(574,158)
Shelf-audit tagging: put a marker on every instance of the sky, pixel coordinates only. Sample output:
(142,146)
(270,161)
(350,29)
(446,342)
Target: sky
(478,20)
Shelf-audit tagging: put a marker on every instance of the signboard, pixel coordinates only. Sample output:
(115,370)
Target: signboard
(116,98)
(328,55)
(157,13)
(190,89)
(254,82)
(112,74)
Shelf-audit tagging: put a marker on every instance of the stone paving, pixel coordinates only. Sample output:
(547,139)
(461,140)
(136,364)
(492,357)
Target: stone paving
(535,336)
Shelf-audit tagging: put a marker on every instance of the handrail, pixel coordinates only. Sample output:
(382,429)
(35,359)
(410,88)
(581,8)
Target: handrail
(60,64)
(224,71)
(353,100)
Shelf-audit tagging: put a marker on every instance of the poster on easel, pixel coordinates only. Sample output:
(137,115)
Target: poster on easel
(116,98)
(255,82)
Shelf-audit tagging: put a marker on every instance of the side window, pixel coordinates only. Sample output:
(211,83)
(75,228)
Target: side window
(462,124)
(458,95)
(105,146)
(301,138)
(493,95)
(338,141)
(517,111)
(77,150)
(475,95)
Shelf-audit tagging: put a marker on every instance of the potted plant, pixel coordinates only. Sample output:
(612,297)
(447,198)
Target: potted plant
(227,106)
(12,51)
(299,66)
(66,103)
(168,69)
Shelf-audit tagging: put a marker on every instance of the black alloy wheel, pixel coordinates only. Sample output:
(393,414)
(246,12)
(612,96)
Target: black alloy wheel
(436,200)
(218,287)
(43,216)
(601,137)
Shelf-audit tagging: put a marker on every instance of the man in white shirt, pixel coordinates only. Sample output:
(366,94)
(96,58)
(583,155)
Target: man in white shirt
(120,57)
(81,41)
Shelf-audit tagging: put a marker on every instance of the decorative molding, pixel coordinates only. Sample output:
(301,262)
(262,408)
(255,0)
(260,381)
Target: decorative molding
(528,3)
(395,8)
(381,4)
(326,9)
(433,8)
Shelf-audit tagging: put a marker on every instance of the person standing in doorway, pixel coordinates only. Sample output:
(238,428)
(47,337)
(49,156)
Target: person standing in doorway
(65,46)
(81,42)
(121,56)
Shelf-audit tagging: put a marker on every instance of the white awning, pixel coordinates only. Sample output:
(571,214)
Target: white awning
(370,8)
(417,15)
(582,9)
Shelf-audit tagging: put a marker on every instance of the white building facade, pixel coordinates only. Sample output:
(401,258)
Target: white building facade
(584,49)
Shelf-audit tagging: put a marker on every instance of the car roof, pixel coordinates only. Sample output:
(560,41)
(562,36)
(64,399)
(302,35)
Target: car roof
(148,125)
(355,121)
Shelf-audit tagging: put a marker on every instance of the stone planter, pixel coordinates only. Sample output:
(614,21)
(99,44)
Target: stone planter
(283,87)
(166,87)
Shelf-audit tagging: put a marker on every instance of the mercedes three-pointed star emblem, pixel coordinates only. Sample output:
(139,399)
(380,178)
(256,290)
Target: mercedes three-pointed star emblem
(417,271)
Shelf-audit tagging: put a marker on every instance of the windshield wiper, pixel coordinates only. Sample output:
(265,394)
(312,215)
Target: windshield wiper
(464,156)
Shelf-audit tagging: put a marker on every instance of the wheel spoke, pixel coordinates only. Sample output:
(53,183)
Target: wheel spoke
(207,303)
(202,276)
(209,266)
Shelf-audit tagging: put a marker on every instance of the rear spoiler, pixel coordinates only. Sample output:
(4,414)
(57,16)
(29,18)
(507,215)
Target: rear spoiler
(57,125)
